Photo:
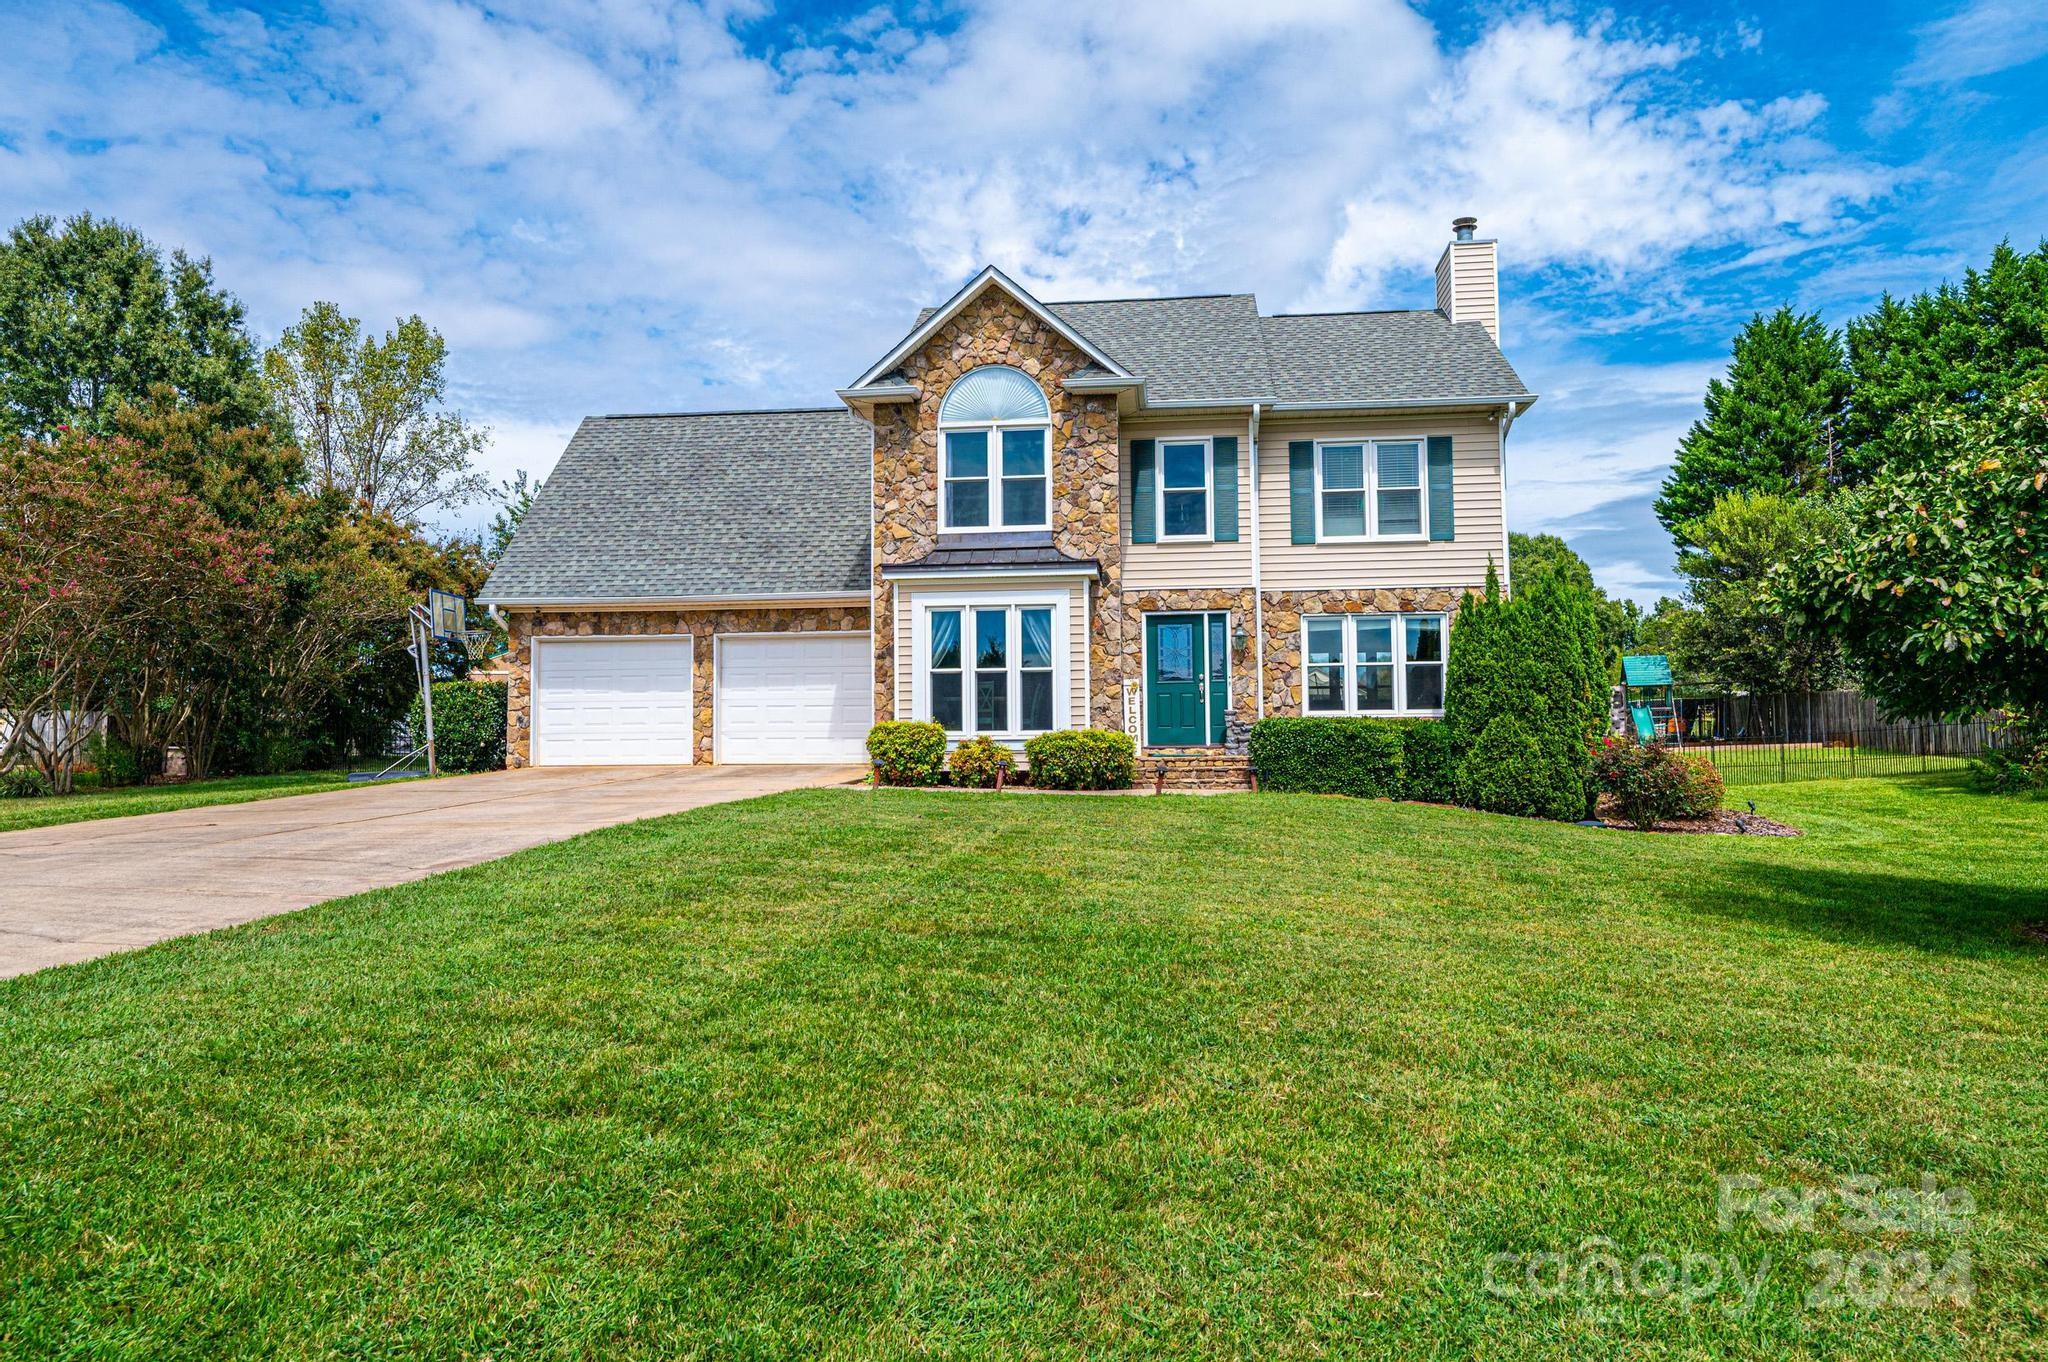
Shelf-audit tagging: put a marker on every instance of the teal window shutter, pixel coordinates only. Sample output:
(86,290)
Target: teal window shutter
(1301,489)
(1226,489)
(1144,500)
(1442,522)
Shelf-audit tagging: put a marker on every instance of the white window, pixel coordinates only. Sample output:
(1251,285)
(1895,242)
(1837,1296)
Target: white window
(1370,489)
(995,431)
(1184,500)
(992,668)
(1373,664)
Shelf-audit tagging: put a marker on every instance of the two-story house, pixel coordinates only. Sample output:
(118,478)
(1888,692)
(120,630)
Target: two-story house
(1170,515)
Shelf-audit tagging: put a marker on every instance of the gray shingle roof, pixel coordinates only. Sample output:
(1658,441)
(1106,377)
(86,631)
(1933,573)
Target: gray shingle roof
(1186,349)
(1219,349)
(768,503)
(1384,357)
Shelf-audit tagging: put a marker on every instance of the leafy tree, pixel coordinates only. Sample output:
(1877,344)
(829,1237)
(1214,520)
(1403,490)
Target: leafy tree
(515,497)
(369,413)
(92,318)
(1933,579)
(1662,628)
(240,472)
(1736,633)
(1541,555)
(1960,346)
(123,594)
(1772,426)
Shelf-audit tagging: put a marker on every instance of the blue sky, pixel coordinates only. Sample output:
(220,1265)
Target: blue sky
(618,206)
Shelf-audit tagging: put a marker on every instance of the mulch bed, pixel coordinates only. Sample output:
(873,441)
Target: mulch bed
(1725,822)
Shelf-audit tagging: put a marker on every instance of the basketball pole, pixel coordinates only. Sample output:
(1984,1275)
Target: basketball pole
(423,655)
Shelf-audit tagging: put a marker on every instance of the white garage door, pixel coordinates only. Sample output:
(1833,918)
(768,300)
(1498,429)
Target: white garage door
(612,702)
(794,698)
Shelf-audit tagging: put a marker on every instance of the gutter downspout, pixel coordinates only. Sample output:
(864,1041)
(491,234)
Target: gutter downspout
(1258,595)
(1505,422)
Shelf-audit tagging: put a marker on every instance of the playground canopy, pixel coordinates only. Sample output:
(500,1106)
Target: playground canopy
(1656,715)
(1646,669)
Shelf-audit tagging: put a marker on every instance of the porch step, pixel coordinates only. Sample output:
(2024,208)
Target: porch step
(1196,769)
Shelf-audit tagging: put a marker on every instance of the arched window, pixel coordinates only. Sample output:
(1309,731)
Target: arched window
(995,433)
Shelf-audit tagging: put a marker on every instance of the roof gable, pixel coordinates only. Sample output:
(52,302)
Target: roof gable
(990,277)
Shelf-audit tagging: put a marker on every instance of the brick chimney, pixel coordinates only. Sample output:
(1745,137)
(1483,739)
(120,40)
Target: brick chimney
(1468,278)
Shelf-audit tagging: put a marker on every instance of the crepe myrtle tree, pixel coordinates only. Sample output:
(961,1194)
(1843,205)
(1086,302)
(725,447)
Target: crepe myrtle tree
(117,589)
(1934,580)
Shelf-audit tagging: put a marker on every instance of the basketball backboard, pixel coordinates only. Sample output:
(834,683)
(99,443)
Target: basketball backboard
(447,613)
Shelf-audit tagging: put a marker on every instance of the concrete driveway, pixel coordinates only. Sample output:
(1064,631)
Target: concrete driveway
(82,890)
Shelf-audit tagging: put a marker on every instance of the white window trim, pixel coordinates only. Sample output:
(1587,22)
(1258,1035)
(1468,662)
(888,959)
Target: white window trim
(1371,489)
(1014,602)
(1350,663)
(997,471)
(1159,490)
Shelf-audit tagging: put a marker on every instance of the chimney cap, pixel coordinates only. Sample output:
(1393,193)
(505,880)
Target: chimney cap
(1463,228)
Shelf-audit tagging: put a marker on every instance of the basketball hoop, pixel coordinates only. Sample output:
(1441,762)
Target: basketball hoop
(478,644)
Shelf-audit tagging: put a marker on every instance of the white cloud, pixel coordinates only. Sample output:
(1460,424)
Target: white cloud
(620,205)
(1565,144)
(1981,38)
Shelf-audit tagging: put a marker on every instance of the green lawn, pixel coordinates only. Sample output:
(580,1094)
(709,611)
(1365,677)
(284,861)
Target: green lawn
(91,803)
(841,1074)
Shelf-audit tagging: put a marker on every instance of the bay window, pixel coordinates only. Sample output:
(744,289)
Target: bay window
(990,668)
(1373,664)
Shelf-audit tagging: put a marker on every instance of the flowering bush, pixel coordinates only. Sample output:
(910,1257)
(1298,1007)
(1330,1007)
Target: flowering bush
(976,761)
(1700,789)
(1649,783)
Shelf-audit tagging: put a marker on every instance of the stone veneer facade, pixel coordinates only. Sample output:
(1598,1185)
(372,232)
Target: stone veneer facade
(1244,695)
(1284,612)
(996,329)
(701,625)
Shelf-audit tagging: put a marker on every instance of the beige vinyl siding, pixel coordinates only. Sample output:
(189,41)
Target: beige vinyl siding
(1468,284)
(1077,630)
(1476,492)
(1177,564)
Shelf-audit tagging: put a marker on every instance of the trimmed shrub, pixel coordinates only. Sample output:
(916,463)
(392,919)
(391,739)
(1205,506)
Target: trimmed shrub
(23,782)
(1508,770)
(1700,791)
(1649,783)
(469,725)
(1082,759)
(975,762)
(1429,773)
(1643,782)
(906,752)
(1360,757)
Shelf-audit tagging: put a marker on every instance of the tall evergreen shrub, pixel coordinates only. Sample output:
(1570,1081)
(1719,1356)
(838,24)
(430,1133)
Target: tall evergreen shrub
(1534,658)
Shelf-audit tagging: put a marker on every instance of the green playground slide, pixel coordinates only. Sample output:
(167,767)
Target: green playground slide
(1646,727)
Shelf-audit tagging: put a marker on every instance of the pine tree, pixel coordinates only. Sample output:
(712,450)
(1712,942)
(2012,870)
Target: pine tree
(1771,425)
(1962,346)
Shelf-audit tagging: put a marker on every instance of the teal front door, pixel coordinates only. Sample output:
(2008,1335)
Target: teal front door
(1176,680)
